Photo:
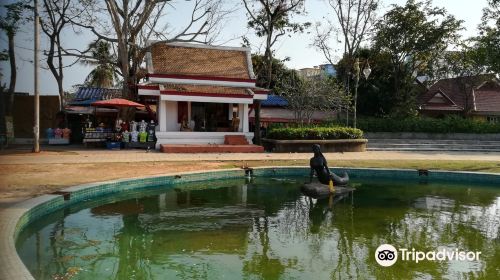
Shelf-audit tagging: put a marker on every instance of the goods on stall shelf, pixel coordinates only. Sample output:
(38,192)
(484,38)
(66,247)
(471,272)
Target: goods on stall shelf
(58,136)
(142,135)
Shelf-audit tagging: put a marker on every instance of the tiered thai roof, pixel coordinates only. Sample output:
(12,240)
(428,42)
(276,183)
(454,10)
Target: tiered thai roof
(200,70)
(196,61)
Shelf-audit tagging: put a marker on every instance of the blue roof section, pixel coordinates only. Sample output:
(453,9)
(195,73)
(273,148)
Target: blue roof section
(93,93)
(275,100)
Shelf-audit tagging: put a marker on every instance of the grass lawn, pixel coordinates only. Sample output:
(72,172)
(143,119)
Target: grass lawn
(454,165)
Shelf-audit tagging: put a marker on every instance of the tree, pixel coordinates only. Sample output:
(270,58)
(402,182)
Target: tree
(54,18)
(15,17)
(271,19)
(280,73)
(356,18)
(467,67)
(377,95)
(133,23)
(104,74)
(423,34)
(306,96)
(488,41)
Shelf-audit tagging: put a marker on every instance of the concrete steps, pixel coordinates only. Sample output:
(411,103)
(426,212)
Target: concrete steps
(432,145)
(210,148)
(235,140)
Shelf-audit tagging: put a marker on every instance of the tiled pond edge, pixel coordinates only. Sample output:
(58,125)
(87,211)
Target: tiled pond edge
(14,219)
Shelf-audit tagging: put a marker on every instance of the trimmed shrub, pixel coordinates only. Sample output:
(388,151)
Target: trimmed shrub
(452,124)
(314,133)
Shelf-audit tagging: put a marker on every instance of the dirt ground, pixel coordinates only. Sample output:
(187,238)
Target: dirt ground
(18,182)
(24,175)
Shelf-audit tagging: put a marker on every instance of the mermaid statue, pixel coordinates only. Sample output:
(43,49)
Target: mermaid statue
(319,166)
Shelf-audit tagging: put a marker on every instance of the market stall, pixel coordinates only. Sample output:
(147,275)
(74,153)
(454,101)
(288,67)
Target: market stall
(123,134)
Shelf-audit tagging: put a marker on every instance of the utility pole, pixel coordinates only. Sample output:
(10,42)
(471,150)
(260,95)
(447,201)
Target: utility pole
(356,85)
(36,125)
(366,72)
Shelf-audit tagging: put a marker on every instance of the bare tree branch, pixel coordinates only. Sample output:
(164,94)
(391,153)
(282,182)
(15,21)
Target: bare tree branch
(355,18)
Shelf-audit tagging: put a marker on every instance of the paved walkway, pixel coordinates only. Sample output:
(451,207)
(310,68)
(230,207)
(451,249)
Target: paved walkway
(77,155)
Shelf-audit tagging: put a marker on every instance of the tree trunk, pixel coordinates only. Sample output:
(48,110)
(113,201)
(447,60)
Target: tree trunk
(256,132)
(56,72)
(13,75)
(256,103)
(60,77)
(124,50)
(61,93)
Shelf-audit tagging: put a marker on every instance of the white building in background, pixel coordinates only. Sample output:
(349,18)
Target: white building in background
(317,71)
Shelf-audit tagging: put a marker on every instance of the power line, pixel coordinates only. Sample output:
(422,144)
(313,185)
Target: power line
(18,46)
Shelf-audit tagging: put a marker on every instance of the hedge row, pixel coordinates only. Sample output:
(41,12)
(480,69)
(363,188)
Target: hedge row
(428,125)
(314,133)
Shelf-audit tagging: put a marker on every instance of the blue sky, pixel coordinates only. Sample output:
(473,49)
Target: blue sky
(297,47)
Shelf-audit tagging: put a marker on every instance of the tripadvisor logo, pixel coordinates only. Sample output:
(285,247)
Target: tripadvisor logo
(387,255)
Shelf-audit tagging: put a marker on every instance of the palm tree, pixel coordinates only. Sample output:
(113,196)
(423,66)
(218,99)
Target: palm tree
(104,74)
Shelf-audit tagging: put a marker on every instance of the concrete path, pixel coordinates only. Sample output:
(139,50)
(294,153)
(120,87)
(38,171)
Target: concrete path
(77,155)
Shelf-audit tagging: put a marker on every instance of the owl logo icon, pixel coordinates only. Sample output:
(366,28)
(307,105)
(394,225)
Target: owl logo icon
(386,255)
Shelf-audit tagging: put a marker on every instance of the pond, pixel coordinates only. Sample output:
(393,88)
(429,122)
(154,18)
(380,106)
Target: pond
(265,228)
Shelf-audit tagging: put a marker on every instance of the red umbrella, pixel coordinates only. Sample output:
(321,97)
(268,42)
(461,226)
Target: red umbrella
(117,102)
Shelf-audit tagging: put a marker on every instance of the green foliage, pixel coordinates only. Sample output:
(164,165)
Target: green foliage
(308,95)
(451,124)
(274,17)
(15,16)
(422,32)
(414,37)
(314,133)
(489,46)
(4,55)
(104,74)
(375,95)
(279,73)
(488,41)
(467,62)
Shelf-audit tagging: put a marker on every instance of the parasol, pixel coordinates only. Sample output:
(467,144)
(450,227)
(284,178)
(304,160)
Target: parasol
(116,102)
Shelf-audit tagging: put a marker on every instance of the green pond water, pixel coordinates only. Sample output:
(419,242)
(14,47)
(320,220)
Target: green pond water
(266,229)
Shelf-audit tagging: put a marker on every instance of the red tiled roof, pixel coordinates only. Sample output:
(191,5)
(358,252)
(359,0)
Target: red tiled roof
(487,100)
(458,93)
(205,90)
(200,61)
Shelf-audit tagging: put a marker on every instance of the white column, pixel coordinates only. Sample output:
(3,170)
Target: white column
(162,116)
(240,116)
(245,117)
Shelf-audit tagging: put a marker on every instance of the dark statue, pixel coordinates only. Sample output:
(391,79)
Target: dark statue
(319,166)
